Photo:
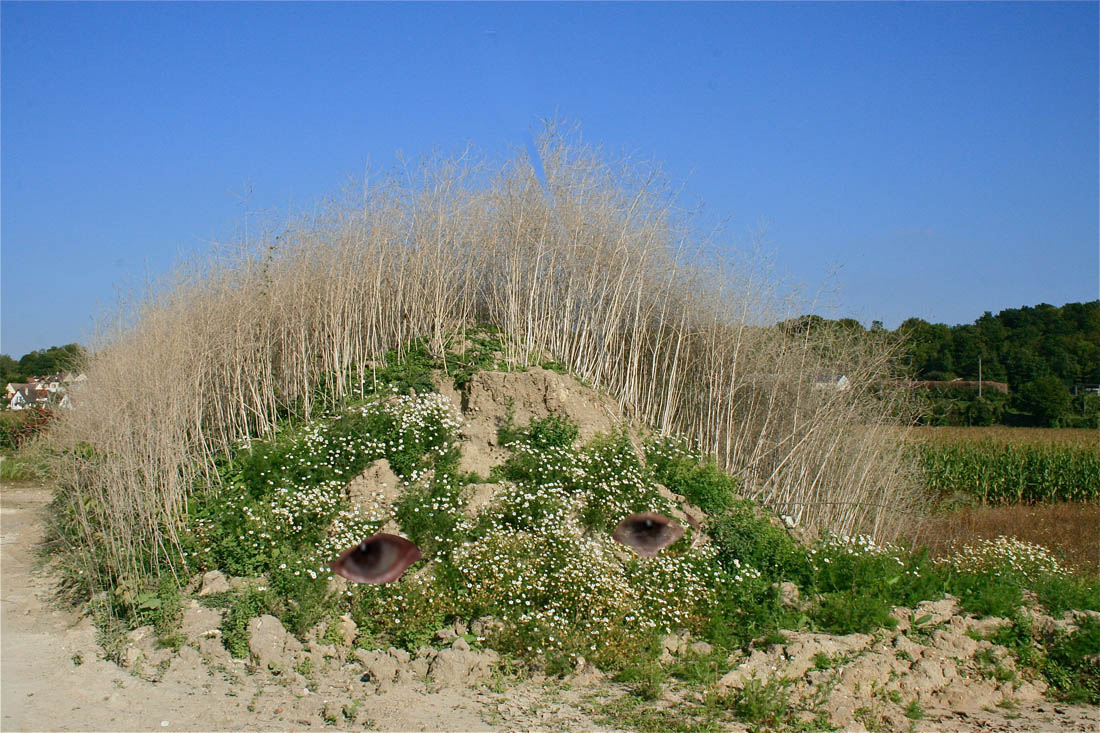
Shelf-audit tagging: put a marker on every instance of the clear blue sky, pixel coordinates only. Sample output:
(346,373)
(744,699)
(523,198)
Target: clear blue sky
(939,159)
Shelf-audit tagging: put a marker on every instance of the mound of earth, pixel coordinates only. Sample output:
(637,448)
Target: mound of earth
(491,398)
(56,676)
(937,667)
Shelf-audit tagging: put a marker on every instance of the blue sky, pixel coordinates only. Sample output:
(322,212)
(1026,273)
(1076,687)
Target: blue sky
(910,159)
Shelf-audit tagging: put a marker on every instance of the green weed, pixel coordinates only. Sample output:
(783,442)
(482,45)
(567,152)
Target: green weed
(242,608)
(1072,664)
(760,703)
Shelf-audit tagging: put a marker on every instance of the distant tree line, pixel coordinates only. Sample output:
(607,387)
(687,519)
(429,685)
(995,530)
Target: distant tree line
(41,363)
(1049,356)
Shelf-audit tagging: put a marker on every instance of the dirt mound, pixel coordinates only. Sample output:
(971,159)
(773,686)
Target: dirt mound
(936,668)
(928,673)
(491,397)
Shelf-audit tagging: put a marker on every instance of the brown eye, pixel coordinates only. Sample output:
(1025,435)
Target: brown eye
(379,559)
(647,533)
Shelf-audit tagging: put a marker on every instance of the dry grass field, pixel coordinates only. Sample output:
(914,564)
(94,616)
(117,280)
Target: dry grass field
(1001,434)
(1070,530)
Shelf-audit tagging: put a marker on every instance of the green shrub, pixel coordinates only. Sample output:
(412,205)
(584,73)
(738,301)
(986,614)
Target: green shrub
(300,600)
(1072,665)
(743,538)
(19,427)
(23,466)
(431,515)
(243,607)
(168,613)
(644,674)
(616,483)
(858,564)
(987,593)
(766,704)
(990,577)
(746,607)
(552,431)
(853,611)
(405,613)
(698,480)
(541,453)
(285,513)
(562,592)
(1061,593)
(408,372)
(485,344)
(1067,660)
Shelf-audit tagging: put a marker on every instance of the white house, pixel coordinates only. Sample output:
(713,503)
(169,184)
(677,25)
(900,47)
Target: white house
(834,382)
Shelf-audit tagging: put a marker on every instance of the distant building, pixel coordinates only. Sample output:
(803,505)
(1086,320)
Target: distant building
(43,391)
(834,382)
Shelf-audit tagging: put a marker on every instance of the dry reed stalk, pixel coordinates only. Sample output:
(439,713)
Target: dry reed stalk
(598,269)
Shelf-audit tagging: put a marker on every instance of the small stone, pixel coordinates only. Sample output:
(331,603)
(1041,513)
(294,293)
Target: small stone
(270,644)
(701,648)
(348,629)
(446,634)
(214,582)
(131,657)
(672,643)
(460,627)
(461,644)
(788,594)
(485,626)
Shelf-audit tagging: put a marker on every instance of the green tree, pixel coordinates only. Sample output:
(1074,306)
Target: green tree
(41,363)
(989,409)
(1046,398)
(928,349)
(9,370)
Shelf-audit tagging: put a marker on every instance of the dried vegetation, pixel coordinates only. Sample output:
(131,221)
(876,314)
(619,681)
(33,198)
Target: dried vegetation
(594,266)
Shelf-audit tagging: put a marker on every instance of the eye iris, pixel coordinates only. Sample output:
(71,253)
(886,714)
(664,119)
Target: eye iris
(369,557)
(647,533)
(379,559)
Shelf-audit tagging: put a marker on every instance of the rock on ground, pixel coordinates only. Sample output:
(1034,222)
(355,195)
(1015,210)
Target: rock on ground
(535,393)
(270,644)
(374,491)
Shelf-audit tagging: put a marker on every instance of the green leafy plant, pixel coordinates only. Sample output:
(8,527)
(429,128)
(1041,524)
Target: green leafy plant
(242,608)
(761,703)
(698,480)
(1072,665)
(744,538)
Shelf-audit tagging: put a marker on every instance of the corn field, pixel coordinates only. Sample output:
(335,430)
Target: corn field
(594,265)
(1012,473)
